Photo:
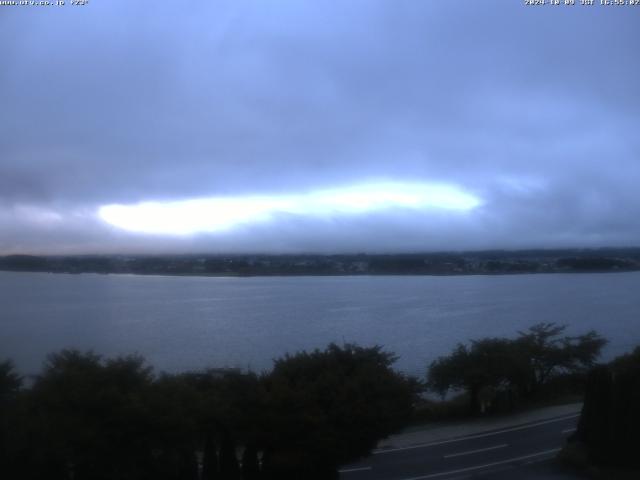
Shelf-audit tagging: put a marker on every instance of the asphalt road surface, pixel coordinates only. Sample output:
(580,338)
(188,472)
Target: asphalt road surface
(522,452)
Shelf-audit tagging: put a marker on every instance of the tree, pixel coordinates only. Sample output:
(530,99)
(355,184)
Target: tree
(332,406)
(89,418)
(522,365)
(10,384)
(230,415)
(548,354)
(610,418)
(10,381)
(487,363)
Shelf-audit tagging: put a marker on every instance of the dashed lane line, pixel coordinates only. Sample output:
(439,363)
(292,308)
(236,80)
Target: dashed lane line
(357,469)
(471,452)
(486,465)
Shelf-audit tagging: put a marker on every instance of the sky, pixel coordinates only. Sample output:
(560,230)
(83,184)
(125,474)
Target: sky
(334,126)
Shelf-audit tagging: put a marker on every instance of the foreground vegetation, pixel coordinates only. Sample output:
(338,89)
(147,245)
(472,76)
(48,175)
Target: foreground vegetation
(88,417)
(607,435)
(91,418)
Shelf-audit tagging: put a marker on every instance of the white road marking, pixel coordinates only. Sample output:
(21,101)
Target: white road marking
(486,465)
(473,437)
(568,430)
(358,469)
(489,471)
(534,461)
(451,455)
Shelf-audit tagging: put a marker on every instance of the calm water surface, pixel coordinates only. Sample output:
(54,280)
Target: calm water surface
(181,323)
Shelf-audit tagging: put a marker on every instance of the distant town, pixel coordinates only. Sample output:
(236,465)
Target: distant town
(443,263)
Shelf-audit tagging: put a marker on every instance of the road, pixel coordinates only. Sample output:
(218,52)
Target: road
(493,454)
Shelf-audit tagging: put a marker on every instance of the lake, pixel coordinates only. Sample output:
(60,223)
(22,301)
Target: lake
(183,323)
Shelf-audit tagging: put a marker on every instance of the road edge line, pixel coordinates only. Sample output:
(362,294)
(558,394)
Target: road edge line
(474,436)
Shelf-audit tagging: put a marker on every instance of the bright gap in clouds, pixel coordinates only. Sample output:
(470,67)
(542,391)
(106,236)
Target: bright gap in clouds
(218,214)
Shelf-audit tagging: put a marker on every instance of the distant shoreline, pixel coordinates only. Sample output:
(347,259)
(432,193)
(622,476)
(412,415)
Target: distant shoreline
(328,275)
(499,262)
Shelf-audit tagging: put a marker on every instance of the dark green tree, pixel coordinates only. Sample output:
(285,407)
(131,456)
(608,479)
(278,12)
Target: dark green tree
(10,381)
(514,367)
(230,415)
(548,354)
(89,419)
(487,363)
(174,409)
(610,418)
(10,385)
(332,406)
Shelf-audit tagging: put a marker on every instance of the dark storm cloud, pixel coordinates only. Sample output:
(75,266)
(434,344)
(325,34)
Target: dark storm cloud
(534,110)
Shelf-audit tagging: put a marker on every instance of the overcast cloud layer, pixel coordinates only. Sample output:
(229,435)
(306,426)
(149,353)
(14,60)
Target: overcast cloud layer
(534,111)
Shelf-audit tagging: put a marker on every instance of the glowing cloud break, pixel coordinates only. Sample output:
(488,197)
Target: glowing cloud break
(218,214)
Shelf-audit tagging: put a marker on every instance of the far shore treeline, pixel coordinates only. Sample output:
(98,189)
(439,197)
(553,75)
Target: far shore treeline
(89,417)
(443,263)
